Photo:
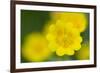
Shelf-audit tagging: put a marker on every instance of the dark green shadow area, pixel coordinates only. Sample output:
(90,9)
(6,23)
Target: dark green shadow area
(85,35)
(33,21)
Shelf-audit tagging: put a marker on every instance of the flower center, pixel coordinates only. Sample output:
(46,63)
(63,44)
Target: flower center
(64,38)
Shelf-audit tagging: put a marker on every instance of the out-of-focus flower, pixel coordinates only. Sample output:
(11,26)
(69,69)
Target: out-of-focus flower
(78,20)
(35,48)
(63,38)
(83,53)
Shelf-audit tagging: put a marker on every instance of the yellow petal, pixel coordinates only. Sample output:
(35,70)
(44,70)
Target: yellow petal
(60,51)
(69,51)
(77,47)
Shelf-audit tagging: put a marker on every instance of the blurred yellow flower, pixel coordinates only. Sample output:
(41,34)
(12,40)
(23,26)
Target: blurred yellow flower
(63,38)
(83,53)
(35,48)
(78,20)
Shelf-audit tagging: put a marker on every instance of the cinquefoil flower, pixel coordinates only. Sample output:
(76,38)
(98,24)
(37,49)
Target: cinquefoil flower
(78,20)
(63,38)
(35,48)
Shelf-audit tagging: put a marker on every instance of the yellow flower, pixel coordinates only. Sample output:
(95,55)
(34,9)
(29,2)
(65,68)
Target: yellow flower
(78,20)
(35,48)
(83,53)
(63,38)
